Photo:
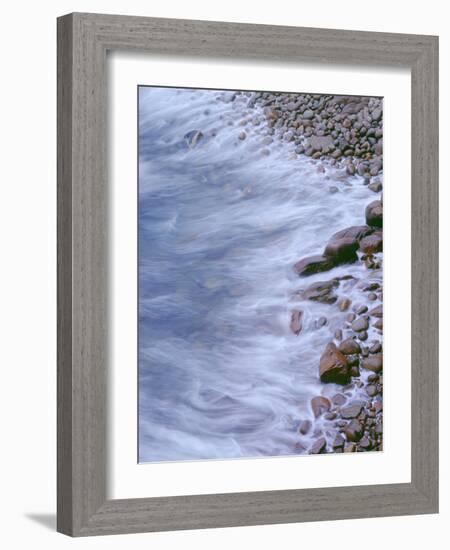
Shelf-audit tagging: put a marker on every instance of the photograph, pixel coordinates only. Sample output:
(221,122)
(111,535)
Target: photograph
(260,273)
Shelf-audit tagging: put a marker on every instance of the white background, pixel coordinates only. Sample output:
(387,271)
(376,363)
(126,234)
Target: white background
(127,479)
(28,304)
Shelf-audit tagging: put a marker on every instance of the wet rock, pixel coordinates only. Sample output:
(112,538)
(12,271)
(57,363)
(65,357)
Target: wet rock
(320,143)
(333,366)
(354,430)
(344,304)
(242,135)
(320,405)
(378,324)
(372,243)
(355,232)
(308,114)
(349,347)
(319,446)
(372,296)
(360,324)
(313,264)
(351,317)
(352,411)
(374,214)
(376,312)
(342,250)
(362,336)
(305,426)
(338,442)
(371,390)
(376,187)
(192,138)
(338,334)
(296,324)
(321,322)
(321,291)
(365,443)
(338,399)
(373,363)
(352,360)
(376,347)
(350,448)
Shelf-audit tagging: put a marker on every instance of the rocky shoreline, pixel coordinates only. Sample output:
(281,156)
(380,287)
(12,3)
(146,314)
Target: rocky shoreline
(346,132)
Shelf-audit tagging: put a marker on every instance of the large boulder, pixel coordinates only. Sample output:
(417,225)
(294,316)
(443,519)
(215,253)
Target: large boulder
(342,250)
(374,214)
(333,366)
(313,264)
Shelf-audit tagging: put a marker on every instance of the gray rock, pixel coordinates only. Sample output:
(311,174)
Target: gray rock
(313,264)
(373,363)
(354,430)
(360,324)
(349,347)
(308,114)
(352,411)
(319,446)
(305,426)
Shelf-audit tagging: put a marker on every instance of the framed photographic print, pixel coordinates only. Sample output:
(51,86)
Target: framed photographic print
(247,234)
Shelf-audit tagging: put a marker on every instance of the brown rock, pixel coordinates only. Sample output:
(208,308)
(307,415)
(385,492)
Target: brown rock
(356,232)
(333,366)
(322,292)
(360,324)
(338,399)
(296,321)
(319,446)
(344,304)
(313,264)
(376,312)
(372,243)
(338,442)
(342,250)
(320,405)
(354,430)
(373,363)
(352,411)
(374,214)
(305,426)
(349,347)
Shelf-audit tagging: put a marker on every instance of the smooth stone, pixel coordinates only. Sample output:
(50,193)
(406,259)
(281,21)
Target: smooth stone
(349,347)
(313,264)
(296,324)
(344,304)
(373,363)
(354,430)
(360,324)
(333,366)
(320,405)
(319,446)
(305,426)
(352,411)
(374,214)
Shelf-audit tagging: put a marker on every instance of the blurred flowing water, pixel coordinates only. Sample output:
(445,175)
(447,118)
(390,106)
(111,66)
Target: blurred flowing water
(221,224)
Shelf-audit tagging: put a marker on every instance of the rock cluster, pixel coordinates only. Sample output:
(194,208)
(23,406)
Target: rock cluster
(346,130)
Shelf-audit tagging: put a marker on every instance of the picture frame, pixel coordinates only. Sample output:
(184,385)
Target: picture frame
(83,41)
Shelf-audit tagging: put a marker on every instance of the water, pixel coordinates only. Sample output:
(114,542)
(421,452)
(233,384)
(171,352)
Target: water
(220,226)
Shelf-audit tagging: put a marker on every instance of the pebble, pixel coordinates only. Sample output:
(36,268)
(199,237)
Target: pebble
(319,446)
(305,426)
(242,135)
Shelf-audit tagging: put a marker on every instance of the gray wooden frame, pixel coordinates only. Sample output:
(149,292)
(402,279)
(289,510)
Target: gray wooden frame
(83,40)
